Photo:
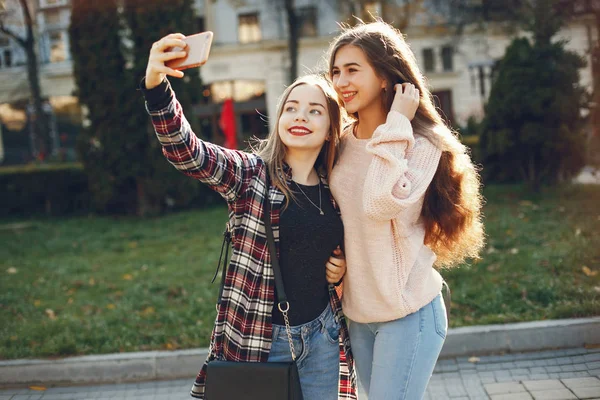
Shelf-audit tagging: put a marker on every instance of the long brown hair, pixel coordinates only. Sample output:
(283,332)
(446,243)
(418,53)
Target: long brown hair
(451,212)
(272,150)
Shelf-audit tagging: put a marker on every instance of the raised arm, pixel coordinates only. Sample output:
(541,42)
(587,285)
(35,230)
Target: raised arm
(226,171)
(402,167)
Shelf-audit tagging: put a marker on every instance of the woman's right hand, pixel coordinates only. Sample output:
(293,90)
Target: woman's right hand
(160,52)
(406,100)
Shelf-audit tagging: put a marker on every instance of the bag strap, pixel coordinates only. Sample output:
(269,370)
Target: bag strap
(282,304)
(224,247)
(281,296)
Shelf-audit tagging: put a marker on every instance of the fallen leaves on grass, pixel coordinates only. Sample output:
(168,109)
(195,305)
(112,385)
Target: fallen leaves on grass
(50,313)
(514,250)
(37,303)
(588,272)
(127,277)
(493,267)
(110,306)
(11,270)
(148,311)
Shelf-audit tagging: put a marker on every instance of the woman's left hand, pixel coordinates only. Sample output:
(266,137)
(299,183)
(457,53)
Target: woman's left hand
(336,266)
(406,100)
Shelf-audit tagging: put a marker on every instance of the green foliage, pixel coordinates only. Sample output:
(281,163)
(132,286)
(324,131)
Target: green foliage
(49,188)
(132,284)
(533,129)
(121,155)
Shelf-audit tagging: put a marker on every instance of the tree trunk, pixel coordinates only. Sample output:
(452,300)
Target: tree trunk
(39,120)
(292,39)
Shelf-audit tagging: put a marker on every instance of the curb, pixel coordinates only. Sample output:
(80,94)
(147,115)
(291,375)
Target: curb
(155,365)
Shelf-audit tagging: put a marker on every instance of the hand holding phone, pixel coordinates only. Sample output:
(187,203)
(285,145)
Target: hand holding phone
(197,50)
(176,52)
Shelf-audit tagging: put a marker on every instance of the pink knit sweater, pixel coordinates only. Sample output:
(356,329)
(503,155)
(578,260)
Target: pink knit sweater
(380,185)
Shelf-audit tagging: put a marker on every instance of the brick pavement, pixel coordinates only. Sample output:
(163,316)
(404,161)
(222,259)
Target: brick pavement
(543,375)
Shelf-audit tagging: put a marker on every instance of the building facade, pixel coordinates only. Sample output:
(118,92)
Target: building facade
(249,58)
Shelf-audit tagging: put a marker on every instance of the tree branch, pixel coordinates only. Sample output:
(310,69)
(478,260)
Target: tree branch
(12,34)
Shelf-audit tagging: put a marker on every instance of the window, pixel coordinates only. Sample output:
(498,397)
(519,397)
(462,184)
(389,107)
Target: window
(58,51)
(239,90)
(307,21)
(6,59)
(428,60)
(248,28)
(52,18)
(443,104)
(447,61)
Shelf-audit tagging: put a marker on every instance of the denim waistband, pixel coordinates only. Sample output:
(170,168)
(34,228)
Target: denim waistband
(309,327)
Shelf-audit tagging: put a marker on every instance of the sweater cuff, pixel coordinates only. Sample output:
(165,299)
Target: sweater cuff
(158,97)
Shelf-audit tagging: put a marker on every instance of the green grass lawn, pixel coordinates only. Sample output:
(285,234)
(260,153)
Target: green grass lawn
(100,284)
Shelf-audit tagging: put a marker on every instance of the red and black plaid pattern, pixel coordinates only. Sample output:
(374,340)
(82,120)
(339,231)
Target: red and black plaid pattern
(243,329)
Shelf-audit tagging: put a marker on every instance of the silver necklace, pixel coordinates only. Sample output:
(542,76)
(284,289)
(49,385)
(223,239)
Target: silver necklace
(308,198)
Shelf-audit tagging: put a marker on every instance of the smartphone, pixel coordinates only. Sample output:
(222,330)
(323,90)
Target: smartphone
(198,48)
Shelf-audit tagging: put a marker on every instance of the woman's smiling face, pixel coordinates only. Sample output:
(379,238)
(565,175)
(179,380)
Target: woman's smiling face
(304,122)
(355,80)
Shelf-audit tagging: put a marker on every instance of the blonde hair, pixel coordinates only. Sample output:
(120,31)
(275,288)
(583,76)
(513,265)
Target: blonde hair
(452,209)
(272,150)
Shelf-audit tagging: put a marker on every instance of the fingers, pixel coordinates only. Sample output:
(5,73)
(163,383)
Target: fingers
(335,270)
(172,40)
(337,252)
(334,276)
(169,55)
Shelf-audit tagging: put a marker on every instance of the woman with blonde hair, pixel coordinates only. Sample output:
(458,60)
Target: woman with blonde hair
(288,173)
(410,201)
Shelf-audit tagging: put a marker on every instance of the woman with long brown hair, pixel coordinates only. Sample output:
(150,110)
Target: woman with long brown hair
(288,173)
(410,201)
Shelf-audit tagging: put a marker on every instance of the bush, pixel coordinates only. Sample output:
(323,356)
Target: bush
(533,129)
(63,189)
(52,189)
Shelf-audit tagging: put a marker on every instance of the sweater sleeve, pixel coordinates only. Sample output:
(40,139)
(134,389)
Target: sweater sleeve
(401,169)
(226,171)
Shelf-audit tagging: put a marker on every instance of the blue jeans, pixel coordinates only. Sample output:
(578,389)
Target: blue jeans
(317,354)
(395,359)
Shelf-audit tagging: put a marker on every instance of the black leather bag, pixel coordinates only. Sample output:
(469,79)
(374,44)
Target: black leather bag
(229,380)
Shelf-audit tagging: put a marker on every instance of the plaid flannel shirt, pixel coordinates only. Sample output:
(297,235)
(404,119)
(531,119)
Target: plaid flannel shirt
(243,329)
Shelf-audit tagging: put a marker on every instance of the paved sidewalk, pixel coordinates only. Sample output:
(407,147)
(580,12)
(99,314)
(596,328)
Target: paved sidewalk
(544,375)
